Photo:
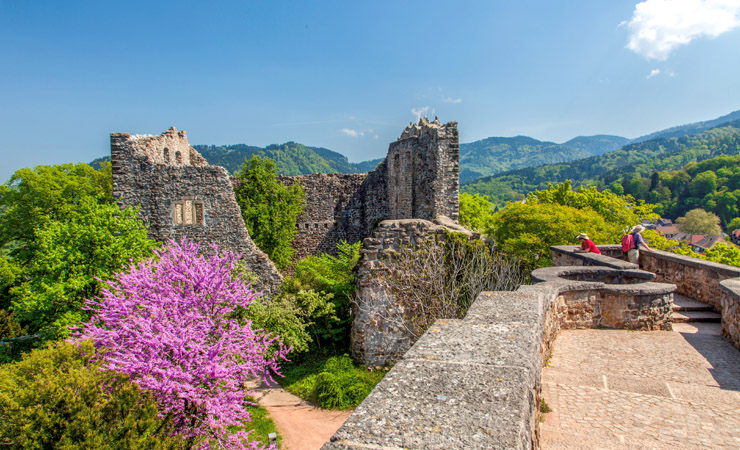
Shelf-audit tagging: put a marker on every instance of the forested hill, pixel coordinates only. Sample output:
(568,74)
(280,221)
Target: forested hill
(642,158)
(690,129)
(291,158)
(499,154)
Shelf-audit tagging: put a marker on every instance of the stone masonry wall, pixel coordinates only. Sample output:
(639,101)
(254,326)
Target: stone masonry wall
(730,301)
(423,172)
(695,278)
(181,195)
(338,207)
(378,334)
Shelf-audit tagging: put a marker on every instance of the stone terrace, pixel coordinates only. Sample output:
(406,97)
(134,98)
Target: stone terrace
(642,390)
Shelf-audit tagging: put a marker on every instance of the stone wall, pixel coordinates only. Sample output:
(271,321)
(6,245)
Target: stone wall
(715,284)
(695,278)
(418,179)
(379,332)
(180,195)
(602,297)
(730,302)
(338,207)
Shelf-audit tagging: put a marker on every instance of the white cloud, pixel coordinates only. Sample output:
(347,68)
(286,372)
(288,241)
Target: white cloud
(351,133)
(653,73)
(376,137)
(658,27)
(453,100)
(418,112)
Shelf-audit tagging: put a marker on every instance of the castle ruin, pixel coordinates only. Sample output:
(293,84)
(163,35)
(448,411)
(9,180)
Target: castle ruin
(180,194)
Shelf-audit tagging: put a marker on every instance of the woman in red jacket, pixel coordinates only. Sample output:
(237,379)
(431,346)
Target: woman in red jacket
(587,245)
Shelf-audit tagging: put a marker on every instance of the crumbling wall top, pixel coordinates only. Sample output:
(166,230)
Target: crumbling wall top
(170,148)
(425,126)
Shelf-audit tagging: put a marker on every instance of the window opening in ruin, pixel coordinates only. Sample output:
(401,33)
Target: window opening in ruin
(166,154)
(178,157)
(189,212)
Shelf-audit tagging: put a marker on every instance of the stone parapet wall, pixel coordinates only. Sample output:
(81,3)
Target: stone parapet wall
(601,297)
(564,255)
(730,302)
(184,198)
(712,283)
(696,278)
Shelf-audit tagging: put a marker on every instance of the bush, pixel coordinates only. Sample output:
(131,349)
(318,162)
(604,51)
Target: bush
(58,397)
(332,383)
(332,279)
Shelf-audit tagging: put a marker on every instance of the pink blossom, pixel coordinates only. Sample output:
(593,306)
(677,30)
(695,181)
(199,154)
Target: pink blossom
(168,323)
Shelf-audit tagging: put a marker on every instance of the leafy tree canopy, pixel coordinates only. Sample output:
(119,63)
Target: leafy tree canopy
(269,209)
(476,212)
(33,198)
(698,221)
(71,258)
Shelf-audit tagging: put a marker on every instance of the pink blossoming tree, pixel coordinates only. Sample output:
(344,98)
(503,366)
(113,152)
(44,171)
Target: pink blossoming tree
(168,323)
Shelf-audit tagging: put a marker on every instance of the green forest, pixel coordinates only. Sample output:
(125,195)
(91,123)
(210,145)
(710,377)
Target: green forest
(612,169)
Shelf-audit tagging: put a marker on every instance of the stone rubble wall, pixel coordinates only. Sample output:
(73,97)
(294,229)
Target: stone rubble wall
(423,172)
(185,197)
(378,334)
(418,179)
(338,207)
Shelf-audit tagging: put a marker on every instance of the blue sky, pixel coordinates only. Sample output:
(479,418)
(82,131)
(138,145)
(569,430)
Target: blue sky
(350,75)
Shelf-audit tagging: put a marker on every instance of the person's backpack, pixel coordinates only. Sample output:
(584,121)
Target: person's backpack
(628,242)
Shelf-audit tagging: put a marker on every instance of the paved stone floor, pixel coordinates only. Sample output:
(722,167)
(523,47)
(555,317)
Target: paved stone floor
(612,389)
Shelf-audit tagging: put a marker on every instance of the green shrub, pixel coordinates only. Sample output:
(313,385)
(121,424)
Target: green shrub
(332,383)
(58,398)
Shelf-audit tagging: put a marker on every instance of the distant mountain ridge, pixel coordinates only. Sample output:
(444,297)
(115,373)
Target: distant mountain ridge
(642,158)
(290,158)
(499,154)
(690,129)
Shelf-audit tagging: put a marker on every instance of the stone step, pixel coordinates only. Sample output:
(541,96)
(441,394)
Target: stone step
(681,303)
(696,316)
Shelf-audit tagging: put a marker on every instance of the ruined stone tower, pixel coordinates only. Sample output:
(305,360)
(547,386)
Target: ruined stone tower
(180,194)
(423,172)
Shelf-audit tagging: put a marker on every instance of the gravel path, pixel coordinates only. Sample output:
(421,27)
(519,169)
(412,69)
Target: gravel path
(301,425)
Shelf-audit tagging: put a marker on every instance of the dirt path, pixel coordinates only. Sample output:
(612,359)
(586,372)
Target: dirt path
(301,425)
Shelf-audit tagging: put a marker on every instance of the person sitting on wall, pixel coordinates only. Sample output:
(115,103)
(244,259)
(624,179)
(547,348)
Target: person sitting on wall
(587,245)
(639,243)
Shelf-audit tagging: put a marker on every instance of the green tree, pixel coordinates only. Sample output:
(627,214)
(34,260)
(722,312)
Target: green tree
(698,221)
(33,198)
(528,230)
(269,209)
(733,225)
(58,397)
(476,212)
(556,215)
(71,259)
(703,184)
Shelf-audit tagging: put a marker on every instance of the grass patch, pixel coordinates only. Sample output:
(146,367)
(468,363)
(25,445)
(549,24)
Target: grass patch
(332,382)
(261,423)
